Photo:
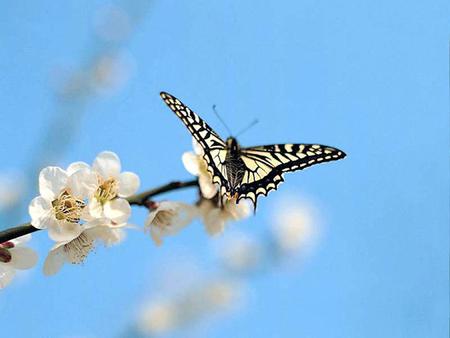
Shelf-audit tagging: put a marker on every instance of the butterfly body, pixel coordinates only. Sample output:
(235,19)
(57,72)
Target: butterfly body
(235,166)
(248,172)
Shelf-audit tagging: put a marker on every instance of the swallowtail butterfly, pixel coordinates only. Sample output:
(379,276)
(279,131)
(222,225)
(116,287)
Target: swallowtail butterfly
(248,172)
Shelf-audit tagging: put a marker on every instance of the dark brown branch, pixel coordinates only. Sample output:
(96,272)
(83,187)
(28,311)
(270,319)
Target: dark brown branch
(139,199)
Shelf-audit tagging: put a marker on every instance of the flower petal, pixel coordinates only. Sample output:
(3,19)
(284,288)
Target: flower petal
(156,235)
(207,188)
(65,231)
(238,211)
(21,240)
(197,147)
(51,181)
(107,164)
(95,208)
(55,260)
(7,274)
(83,183)
(214,222)
(107,235)
(41,214)
(118,210)
(128,183)
(76,166)
(23,258)
(190,162)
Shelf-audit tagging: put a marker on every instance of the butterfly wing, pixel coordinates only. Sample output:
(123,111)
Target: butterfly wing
(265,165)
(213,146)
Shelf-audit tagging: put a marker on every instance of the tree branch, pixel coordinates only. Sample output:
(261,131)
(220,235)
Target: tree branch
(139,199)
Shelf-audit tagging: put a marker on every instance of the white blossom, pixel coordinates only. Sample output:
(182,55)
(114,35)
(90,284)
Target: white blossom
(168,218)
(295,227)
(62,201)
(196,303)
(76,250)
(215,217)
(241,252)
(196,165)
(15,256)
(113,186)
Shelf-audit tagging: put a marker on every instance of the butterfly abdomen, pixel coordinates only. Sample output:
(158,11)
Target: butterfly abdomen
(234,164)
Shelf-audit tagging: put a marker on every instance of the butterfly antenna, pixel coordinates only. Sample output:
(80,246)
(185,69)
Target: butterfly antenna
(255,121)
(223,122)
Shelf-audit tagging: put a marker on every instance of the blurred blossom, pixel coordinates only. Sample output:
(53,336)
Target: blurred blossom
(12,186)
(112,23)
(111,72)
(241,252)
(15,256)
(76,250)
(196,165)
(216,218)
(295,227)
(194,305)
(168,218)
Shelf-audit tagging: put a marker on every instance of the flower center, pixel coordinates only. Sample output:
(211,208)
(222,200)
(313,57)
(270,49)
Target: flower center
(78,249)
(68,208)
(107,191)
(164,218)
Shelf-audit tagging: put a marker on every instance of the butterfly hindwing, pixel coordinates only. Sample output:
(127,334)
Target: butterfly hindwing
(211,143)
(265,165)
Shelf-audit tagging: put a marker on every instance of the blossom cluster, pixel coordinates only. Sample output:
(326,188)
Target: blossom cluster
(80,205)
(84,204)
(168,218)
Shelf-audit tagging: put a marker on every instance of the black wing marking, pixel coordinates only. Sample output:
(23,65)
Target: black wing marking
(213,146)
(265,165)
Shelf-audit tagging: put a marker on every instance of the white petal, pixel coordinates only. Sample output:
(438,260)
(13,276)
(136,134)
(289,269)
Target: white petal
(7,274)
(190,162)
(83,183)
(95,208)
(54,261)
(156,235)
(79,248)
(41,214)
(107,235)
(128,183)
(64,231)
(21,240)
(238,211)
(76,166)
(214,222)
(197,147)
(118,210)
(23,258)
(52,180)
(107,164)
(177,216)
(208,189)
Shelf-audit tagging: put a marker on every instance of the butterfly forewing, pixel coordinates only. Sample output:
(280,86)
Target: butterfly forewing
(213,146)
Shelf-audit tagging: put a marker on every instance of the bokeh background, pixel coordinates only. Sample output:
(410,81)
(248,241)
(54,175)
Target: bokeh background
(368,77)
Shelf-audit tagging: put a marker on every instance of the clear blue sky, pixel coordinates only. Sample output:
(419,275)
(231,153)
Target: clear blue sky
(370,77)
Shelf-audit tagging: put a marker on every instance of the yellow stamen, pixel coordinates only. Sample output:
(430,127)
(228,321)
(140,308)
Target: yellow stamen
(67,207)
(107,190)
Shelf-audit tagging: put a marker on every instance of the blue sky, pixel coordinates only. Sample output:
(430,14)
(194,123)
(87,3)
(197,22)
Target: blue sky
(368,77)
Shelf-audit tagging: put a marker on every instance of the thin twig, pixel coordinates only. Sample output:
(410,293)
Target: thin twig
(139,199)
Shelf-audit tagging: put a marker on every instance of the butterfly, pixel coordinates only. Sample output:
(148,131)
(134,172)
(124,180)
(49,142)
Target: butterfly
(248,172)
